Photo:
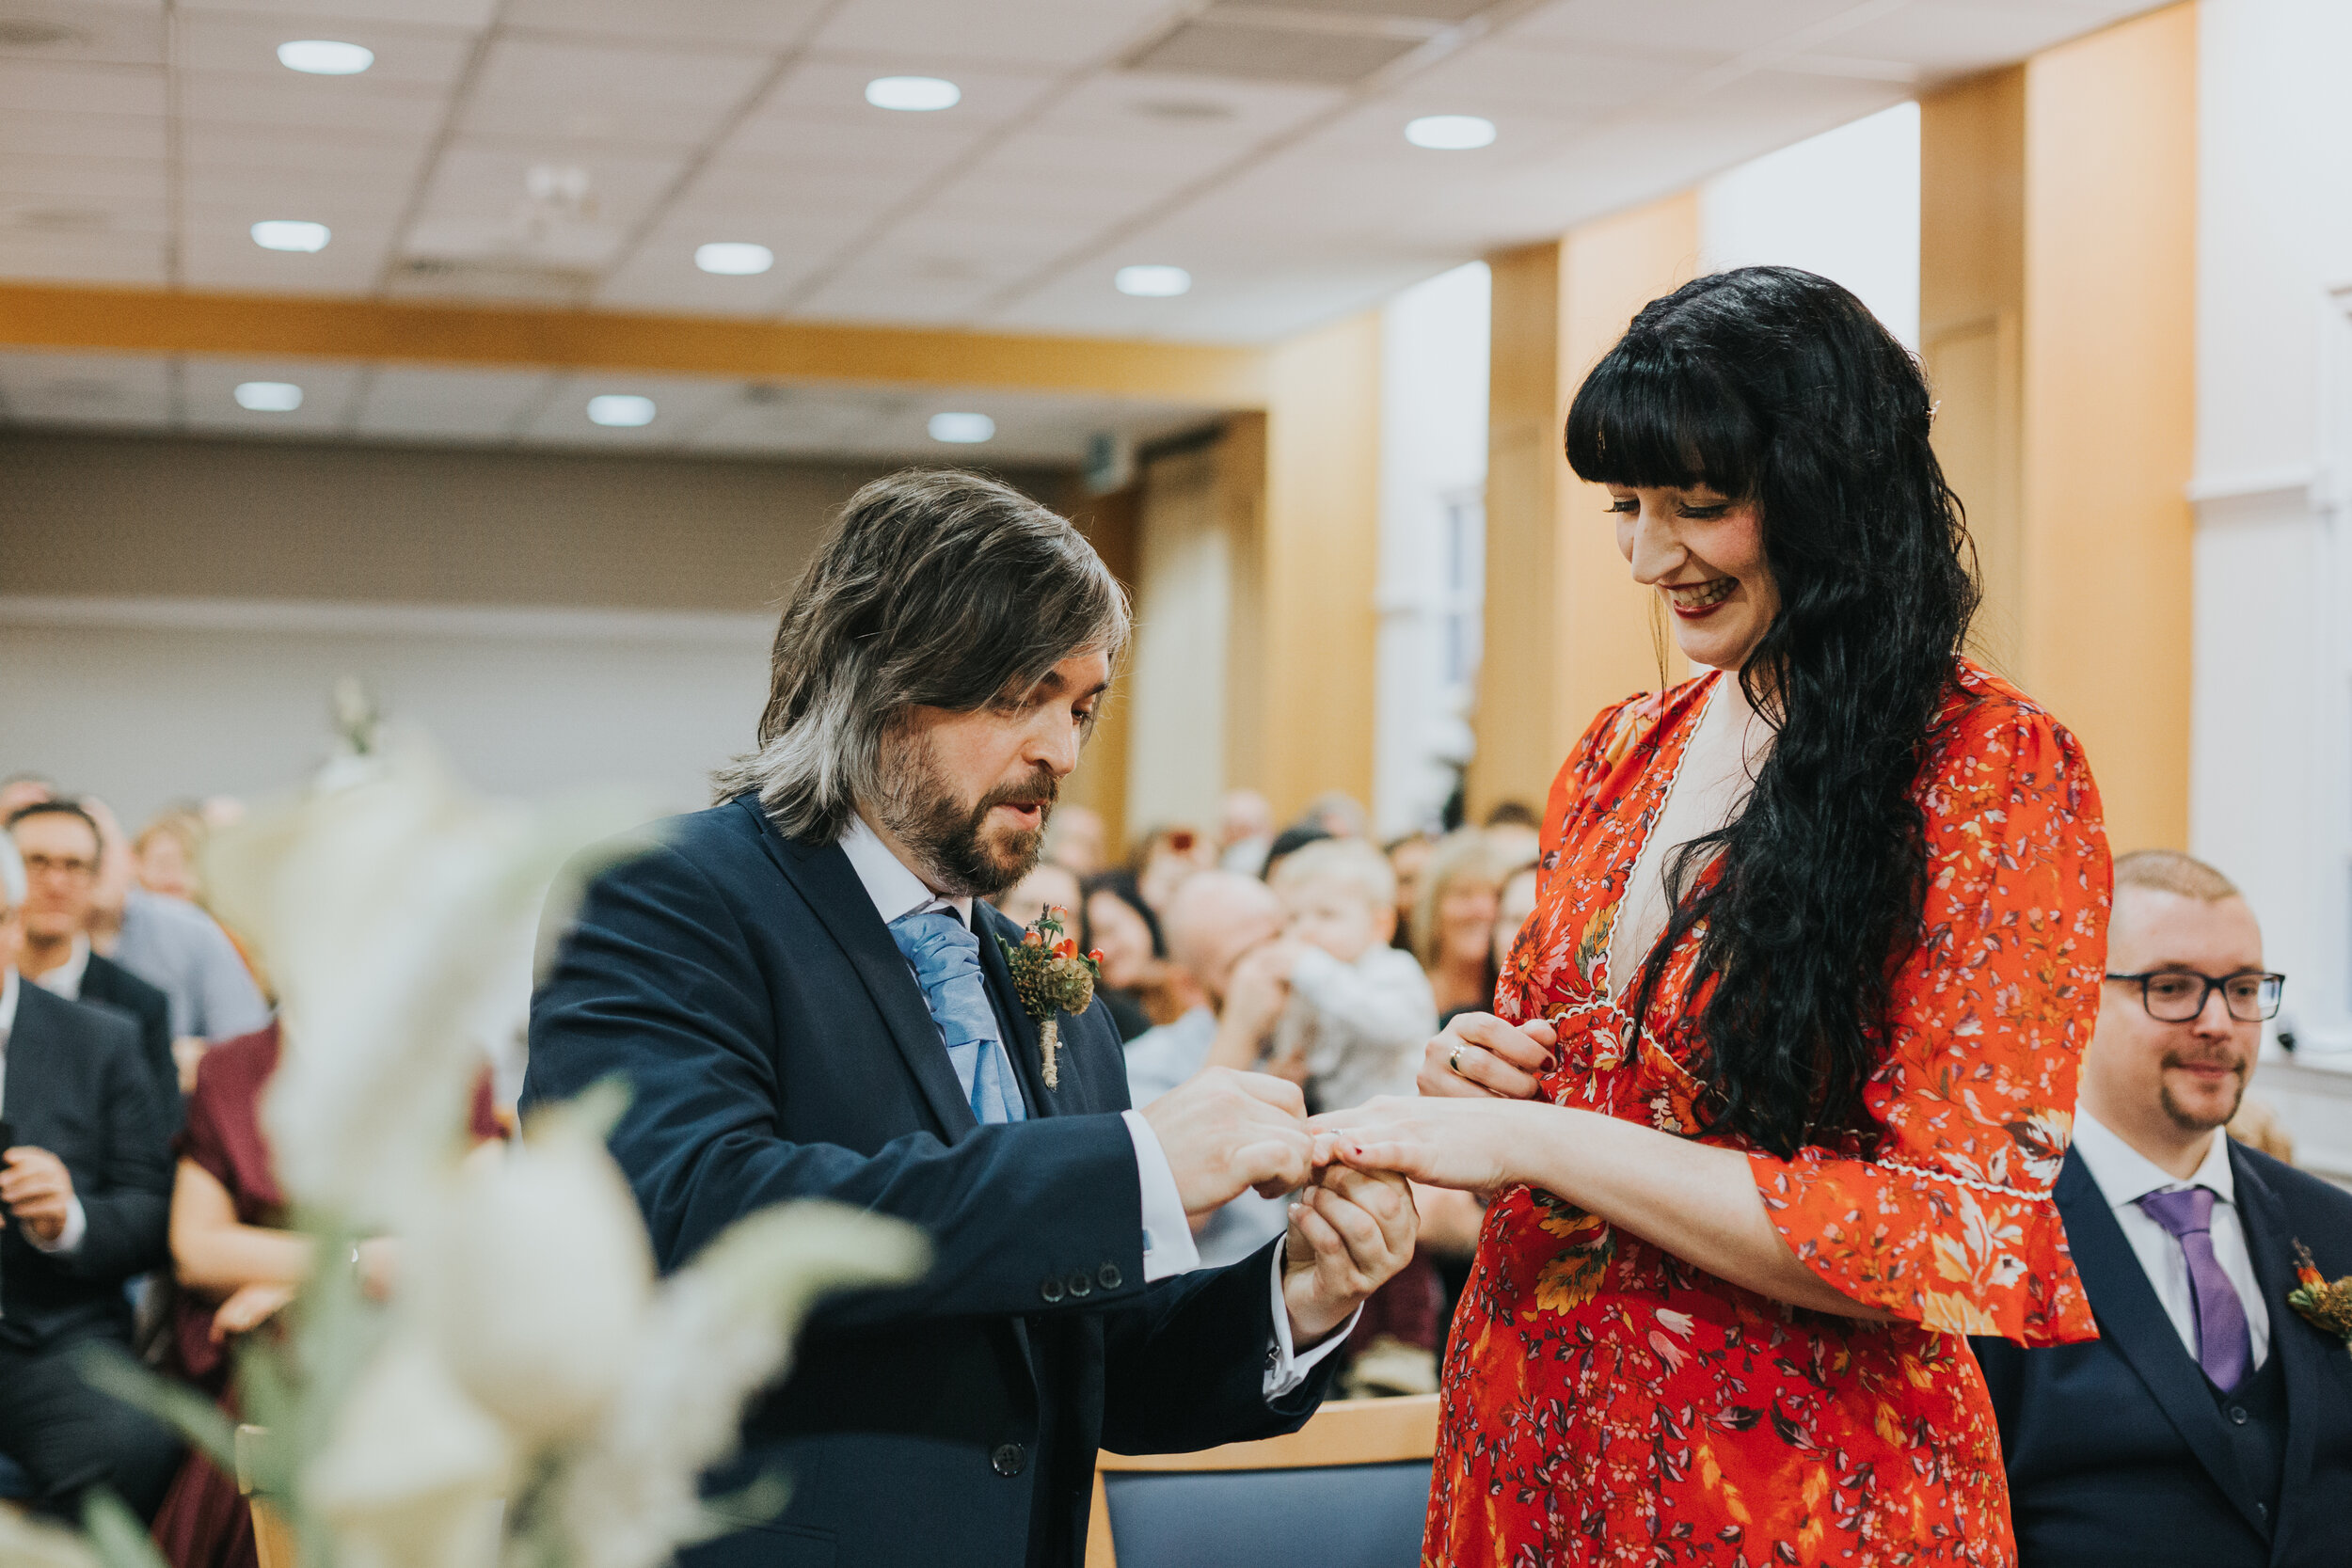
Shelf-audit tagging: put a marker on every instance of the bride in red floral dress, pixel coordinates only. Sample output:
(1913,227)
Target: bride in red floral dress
(1854,887)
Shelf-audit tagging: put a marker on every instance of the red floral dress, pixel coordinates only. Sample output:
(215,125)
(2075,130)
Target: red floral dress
(1606,1403)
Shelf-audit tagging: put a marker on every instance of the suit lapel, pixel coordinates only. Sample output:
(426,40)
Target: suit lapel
(2268,1243)
(1020,1029)
(825,880)
(2132,1321)
(30,1088)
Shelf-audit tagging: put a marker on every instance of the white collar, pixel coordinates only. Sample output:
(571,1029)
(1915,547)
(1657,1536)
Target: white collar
(897,892)
(2125,1175)
(7,1005)
(65,979)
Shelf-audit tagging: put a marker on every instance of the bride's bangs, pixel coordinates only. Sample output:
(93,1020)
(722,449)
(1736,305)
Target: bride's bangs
(1648,417)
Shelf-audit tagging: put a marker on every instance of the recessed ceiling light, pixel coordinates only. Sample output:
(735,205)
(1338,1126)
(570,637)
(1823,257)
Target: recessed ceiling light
(734,259)
(325,58)
(1153,282)
(623,409)
(270,397)
(920,94)
(1450,133)
(288,234)
(963,429)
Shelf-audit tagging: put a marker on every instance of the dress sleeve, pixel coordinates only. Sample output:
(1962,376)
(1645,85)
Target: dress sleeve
(1948,1223)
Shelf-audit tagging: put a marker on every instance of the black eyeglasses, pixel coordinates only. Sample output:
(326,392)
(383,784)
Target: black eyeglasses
(2178,995)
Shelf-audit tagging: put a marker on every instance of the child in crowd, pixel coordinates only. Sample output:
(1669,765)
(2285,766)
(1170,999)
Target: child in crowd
(1360,1010)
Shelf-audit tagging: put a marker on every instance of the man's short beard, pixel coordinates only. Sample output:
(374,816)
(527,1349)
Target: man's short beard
(2188,1122)
(919,806)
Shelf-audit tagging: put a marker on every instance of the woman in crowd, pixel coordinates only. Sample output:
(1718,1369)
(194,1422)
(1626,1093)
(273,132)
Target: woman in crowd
(1785,1062)
(1454,921)
(1139,986)
(237,1264)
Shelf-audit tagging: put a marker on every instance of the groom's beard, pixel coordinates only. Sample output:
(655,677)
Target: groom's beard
(959,856)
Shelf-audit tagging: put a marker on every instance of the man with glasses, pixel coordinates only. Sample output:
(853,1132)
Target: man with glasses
(2209,1422)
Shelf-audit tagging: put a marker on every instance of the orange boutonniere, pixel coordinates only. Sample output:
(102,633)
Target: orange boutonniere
(2327,1306)
(1051,978)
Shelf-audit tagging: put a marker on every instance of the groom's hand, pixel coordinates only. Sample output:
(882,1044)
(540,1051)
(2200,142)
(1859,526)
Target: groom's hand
(1349,1234)
(1226,1132)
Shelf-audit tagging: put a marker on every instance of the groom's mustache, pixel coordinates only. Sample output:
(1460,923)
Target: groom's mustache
(1040,789)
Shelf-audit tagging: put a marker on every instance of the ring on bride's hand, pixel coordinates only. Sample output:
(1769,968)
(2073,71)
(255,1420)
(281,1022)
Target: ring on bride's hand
(1453,1061)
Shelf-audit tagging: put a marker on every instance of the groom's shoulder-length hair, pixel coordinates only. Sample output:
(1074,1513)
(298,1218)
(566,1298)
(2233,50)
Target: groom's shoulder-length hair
(936,588)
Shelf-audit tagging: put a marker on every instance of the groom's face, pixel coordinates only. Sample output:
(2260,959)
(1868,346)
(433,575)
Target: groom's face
(969,793)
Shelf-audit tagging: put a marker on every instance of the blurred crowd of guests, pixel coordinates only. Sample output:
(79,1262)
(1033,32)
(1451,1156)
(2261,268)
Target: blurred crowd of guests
(137,1035)
(1312,952)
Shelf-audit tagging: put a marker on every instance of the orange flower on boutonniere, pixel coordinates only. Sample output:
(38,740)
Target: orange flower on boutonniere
(2327,1306)
(1051,978)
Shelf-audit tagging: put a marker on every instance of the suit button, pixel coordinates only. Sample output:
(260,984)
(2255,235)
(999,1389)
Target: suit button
(1111,1278)
(1080,1285)
(1051,1290)
(1008,1460)
(2237,1415)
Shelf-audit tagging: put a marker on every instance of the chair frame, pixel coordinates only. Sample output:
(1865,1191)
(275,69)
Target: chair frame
(1350,1432)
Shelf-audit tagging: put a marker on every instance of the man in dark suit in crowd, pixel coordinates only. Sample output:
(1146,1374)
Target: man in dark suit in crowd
(2210,1425)
(59,842)
(87,1188)
(807,1002)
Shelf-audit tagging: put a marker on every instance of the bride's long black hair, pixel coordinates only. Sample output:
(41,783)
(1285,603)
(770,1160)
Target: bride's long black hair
(1778,387)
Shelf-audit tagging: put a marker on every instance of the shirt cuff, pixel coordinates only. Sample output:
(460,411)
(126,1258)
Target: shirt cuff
(70,1239)
(1167,1244)
(1285,1366)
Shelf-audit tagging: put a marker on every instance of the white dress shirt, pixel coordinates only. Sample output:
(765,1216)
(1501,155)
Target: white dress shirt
(1167,1244)
(65,979)
(76,1221)
(2125,1176)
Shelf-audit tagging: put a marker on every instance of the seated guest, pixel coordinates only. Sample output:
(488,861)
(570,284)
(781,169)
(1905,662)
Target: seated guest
(1047,885)
(1213,921)
(1076,836)
(164,854)
(1245,831)
(1454,923)
(1359,1011)
(238,1264)
(1138,980)
(58,844)
(1169,855)
(85,1180)
(1408,858)
(2209,1423)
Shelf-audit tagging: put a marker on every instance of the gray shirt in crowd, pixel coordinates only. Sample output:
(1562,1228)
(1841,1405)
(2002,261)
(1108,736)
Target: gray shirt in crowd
(182,951)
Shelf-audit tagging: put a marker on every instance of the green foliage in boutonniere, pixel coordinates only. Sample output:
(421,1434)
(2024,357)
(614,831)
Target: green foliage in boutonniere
(2327,1306)
(1051,978)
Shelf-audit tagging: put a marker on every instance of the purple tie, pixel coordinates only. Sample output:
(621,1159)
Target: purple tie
(2223,1347)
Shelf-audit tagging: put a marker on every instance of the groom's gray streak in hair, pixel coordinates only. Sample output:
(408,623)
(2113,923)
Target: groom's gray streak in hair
(936,589)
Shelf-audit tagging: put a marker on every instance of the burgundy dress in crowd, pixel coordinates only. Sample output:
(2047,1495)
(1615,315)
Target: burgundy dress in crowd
(203,1523)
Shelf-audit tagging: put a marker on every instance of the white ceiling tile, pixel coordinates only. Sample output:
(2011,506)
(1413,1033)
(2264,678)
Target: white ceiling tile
(128,33)
(96,180)
(992,94)
(83,259)
(1162,107)
(680,403)
(384,165)
(79,218)
(490,180)
(1501,75)
(439,13)
(92,389)
(1946,38)
(43,87)
(59,134)
(208,394)
(340,103)
(1694,28)
(248,45)
(870,296)
(626,94)
(1037,33)
(217,252)
(323,196)
(821,197)
(447,404)
(768,24)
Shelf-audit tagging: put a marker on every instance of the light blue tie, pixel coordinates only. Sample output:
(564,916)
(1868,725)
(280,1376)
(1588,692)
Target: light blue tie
(946,959)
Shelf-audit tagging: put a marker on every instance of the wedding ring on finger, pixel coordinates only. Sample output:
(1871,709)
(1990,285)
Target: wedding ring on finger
(1453,1061)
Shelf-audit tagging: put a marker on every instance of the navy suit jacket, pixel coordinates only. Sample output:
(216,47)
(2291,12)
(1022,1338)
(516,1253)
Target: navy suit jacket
(79,1086)
(777,1047)
(108,984)
(2116,1449)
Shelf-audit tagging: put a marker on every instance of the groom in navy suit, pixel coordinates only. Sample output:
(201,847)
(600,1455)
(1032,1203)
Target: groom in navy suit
(2210,1425)
(807,1001)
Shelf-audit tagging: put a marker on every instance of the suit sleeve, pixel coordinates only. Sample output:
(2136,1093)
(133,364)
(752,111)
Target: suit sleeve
(656,985)
(127,1205)
(1184,1368)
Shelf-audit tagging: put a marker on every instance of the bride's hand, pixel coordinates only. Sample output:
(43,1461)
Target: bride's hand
(1465,1144)
(1480,1057)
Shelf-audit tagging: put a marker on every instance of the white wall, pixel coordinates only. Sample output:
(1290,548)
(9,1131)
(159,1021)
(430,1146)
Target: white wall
(2272,730)
(1432,470)
(1844,204)
(144,701)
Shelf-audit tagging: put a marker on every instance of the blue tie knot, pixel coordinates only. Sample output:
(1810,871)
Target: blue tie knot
(945,955)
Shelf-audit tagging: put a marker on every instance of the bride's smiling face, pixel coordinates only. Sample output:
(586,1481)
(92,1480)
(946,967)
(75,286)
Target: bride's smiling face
(1704,553)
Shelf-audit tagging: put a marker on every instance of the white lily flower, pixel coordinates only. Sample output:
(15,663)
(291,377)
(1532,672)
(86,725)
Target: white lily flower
(29,1542)
(414,1473)
(721,1330)
(534,1277)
